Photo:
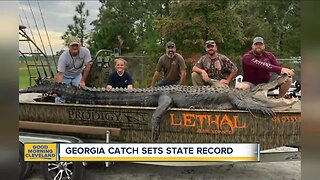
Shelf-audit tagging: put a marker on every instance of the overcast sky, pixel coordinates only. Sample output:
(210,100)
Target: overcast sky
(57,15)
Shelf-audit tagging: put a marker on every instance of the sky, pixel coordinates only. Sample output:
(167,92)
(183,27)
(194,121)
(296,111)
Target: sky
(57,15)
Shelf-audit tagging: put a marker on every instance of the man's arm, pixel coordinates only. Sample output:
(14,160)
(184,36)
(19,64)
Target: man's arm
(284,70)
(233,74)
(233,70)
(85,74)
(87,61)
(253,62)
(182,68)
(183,74)
(59,77)
(197,70)
(155,78)
(202,72)
(61,67)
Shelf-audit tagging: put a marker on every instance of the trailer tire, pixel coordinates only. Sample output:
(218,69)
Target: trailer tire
(75,170)
(24,167)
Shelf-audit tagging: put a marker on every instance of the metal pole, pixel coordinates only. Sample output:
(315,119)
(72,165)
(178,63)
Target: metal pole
(54,60)
(44,49)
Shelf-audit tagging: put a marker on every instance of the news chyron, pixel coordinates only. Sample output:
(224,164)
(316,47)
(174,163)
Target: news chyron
(143,152)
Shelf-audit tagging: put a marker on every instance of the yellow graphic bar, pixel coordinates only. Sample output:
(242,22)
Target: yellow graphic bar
(158,159)
(40,152)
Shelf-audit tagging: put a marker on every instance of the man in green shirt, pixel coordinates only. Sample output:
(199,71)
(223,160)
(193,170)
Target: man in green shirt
(173,66)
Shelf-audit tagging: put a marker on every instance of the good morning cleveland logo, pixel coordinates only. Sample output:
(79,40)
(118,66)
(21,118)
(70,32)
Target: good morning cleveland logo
(40,152)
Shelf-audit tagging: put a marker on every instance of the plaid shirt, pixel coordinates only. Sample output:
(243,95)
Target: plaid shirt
(207,64)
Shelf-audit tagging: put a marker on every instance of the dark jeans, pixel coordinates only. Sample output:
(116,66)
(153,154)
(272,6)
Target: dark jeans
(166,83)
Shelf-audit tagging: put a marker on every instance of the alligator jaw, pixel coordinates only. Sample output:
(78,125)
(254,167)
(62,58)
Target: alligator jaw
(260,95)
(279,104)
(262,89)
(282,104)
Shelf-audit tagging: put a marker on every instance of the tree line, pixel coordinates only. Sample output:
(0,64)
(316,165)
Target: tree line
(142,27)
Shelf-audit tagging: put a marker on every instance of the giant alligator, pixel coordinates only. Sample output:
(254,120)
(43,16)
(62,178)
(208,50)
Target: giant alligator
(203,97)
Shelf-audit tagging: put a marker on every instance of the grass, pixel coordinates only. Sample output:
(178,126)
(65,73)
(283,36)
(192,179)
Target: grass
(24,75)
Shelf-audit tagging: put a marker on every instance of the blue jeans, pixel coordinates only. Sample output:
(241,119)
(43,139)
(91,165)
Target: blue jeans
(75,81)
(166,83)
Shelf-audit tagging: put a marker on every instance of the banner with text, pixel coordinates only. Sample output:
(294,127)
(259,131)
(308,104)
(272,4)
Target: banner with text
(143,152)
(159,152)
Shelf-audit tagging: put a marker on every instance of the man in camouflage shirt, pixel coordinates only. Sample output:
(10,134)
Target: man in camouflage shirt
(213,69)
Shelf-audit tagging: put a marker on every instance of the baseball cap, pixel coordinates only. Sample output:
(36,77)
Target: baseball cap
(258,40)
(210,42)
(73,40)
(170,44)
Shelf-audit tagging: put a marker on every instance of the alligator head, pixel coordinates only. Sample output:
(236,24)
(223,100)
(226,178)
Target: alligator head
(259,95)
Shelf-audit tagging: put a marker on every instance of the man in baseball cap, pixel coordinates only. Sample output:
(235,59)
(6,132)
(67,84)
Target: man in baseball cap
(170,44)
(258,40)
(213,69)
(73,40)
(73,65)
(261,66)
(173,66)
(210,42)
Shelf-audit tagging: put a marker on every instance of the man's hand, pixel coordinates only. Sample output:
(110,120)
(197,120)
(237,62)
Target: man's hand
(82,84)
(58,78)
(224,81)
(204,75)
(290,72)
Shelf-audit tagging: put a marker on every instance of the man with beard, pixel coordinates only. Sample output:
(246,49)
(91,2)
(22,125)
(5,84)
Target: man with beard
(213,69)
(261,66)
(74,65)
(173,66)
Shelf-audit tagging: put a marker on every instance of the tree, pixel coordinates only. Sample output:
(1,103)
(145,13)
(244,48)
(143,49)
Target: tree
(142,27)
(114,26)
(191,23)
(78,28)
(131,20)
(277,21)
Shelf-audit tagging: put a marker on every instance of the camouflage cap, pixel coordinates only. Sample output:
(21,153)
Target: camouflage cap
(210,42)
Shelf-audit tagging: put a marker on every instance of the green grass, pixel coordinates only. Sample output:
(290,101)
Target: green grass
(24,74)
(24,77)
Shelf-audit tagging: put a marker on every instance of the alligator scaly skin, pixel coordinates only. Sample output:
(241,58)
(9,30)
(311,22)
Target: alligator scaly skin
(198,97)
